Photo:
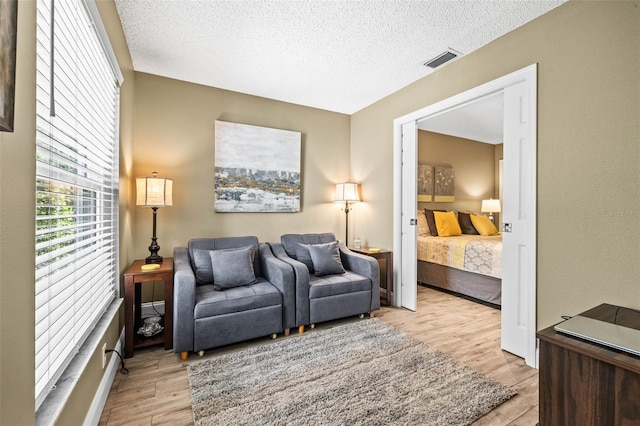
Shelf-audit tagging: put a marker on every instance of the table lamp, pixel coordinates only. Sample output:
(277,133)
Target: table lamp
(490,206)
(154,192)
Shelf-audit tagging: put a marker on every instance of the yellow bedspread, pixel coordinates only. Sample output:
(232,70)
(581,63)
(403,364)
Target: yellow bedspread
(472,253)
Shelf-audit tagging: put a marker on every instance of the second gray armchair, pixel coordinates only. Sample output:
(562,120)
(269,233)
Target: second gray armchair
(331,281)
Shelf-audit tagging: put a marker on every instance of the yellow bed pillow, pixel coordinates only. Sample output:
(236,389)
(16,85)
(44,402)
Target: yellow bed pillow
(483,225)
(447,224)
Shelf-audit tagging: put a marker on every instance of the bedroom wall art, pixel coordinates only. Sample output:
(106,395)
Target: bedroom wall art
(257,169)
(444,185)
(8,31)
(425,183)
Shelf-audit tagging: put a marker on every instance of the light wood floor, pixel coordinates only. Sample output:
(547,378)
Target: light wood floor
(156,390)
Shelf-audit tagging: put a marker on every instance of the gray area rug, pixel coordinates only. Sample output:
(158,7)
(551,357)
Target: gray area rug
(365,372)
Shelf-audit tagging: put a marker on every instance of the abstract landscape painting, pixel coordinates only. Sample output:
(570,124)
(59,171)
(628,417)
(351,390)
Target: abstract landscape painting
(257,169)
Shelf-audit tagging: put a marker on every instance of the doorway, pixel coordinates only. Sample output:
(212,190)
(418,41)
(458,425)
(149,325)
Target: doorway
(519,205)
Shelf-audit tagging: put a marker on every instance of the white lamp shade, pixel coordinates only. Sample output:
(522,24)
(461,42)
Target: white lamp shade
(154,191)
(490,206)
(346,192)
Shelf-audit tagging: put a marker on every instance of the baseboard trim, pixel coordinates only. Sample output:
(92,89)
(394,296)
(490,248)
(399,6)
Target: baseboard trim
(100,398)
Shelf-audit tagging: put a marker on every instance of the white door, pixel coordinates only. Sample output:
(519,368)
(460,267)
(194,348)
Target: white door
(519,179)
(409,289)
(519,222)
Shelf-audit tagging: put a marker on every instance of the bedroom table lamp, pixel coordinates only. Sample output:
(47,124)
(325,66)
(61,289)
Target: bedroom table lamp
(490,206)
(346,192)
(154,192)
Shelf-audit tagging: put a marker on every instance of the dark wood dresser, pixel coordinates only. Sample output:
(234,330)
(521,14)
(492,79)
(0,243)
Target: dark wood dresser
(584,383)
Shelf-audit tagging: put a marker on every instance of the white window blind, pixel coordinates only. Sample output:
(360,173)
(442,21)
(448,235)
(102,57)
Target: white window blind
(76,239)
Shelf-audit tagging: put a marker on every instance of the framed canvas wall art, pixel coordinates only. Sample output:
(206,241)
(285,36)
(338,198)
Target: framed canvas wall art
(8,33)
(444,185)
(425,183)
(257,169)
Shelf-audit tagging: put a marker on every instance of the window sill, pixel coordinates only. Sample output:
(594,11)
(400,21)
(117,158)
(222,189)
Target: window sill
(55,402)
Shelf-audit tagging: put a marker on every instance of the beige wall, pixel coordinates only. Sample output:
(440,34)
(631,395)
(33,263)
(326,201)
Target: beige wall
(588,148)
(17,230)
(174,135)
(473,163)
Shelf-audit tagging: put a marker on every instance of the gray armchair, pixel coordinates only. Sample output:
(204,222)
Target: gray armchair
(328,288)
(227,290)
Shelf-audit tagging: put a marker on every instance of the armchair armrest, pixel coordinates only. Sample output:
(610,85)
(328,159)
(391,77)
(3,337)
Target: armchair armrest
(281,275)
(363,265)
(184,300)
(301,273)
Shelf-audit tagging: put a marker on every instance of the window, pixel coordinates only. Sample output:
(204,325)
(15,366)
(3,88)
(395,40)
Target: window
(76,241)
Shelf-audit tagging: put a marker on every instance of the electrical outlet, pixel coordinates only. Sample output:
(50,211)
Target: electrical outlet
(104,355)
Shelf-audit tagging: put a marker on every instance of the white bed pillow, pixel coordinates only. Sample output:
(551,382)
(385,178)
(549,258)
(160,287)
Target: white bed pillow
(423,226)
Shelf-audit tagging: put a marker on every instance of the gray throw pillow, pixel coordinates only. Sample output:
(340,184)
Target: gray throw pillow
(303,255)
(202,262)
(326,258)
(232,267)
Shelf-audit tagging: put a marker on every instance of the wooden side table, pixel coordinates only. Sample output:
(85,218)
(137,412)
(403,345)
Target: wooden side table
(133,278)
(385,259)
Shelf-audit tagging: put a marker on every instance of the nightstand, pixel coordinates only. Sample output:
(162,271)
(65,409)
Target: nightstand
(134,277)
(385,260)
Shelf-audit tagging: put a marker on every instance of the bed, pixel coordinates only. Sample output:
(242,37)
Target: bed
(469,265)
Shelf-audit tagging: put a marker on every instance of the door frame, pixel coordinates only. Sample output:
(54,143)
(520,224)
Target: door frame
(527,75)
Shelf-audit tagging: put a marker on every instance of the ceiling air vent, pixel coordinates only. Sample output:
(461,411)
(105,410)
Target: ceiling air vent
(442,58)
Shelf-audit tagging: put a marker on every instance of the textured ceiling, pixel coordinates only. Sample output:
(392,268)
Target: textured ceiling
(335,55)
(480,121)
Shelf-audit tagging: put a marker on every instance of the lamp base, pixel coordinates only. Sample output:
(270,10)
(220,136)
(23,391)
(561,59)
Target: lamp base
(153,259)
(154,248)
